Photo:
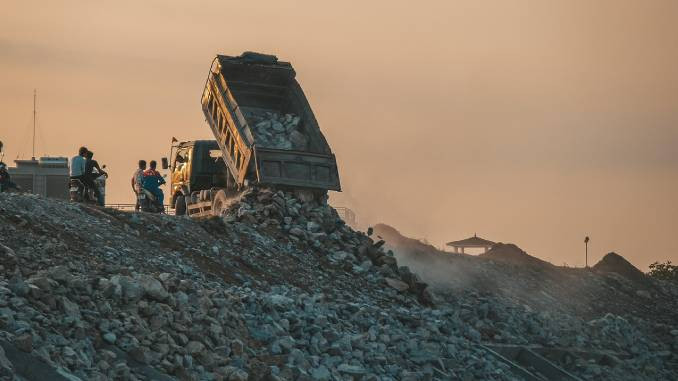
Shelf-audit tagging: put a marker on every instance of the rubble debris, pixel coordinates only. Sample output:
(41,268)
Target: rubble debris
(140,296)
(573,311)
(274,130)
(397,284)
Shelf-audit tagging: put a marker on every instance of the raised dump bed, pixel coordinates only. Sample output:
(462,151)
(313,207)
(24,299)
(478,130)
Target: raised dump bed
(264,125)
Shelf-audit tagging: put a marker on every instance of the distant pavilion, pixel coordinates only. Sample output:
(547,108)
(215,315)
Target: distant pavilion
(474,242)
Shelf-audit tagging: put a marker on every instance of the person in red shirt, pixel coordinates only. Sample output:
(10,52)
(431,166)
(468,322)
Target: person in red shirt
(152,180)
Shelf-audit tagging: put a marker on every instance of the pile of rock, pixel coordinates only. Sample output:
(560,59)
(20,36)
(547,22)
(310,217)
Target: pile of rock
(277,289)
(109,303)
(105,325)
(615,263)
(274,130)
(311,221)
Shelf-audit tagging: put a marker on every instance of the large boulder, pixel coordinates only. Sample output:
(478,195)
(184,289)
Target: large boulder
(152,288)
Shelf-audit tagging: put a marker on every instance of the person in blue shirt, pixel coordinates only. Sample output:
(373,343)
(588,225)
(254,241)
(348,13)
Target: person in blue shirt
(152,180)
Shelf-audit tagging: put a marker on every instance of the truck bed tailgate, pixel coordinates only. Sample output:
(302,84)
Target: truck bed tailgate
(296,168)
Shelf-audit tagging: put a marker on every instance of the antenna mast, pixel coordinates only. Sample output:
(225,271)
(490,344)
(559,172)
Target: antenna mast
(35,94)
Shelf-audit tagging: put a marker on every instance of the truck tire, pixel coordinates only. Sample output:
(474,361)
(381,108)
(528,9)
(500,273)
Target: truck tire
(180,205)
(220,203)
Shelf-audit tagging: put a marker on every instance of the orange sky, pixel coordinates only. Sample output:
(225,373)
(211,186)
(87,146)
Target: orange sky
(525,121)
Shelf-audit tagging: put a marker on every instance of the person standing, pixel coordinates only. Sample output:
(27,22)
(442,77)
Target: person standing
(137,182)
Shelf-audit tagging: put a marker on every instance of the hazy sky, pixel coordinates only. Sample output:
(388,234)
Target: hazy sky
(533,122)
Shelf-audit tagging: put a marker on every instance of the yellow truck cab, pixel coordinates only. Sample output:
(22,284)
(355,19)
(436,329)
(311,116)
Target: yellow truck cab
(193,170)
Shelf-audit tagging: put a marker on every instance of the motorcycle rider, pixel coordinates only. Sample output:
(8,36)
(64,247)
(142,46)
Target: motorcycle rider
(90,176)
(152,180)
(77,165)
(137,181)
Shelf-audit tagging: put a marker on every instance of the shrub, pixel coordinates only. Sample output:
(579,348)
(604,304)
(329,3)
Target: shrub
(664,271)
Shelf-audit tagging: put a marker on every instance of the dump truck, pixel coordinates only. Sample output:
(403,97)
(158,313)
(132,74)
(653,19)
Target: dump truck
(265,135)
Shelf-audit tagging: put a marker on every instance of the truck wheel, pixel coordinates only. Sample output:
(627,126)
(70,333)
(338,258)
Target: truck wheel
(180,205)
(220,203)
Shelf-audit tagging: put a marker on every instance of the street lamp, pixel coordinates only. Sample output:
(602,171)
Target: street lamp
(586,242)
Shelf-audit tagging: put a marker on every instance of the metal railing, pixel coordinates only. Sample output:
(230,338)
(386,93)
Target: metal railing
(130,208)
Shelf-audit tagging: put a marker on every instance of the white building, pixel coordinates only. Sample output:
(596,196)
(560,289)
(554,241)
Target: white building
(47,176)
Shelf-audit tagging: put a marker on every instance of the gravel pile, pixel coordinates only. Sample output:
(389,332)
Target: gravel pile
(317,225)
(279,288)
(508,252)
(615,263)
(617,325)
(274,130)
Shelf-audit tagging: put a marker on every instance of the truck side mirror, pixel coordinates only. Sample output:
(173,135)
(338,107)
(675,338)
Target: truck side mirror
(165,163)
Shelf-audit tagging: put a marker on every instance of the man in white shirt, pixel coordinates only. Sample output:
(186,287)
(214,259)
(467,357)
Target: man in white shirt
(137,181)
(77,164)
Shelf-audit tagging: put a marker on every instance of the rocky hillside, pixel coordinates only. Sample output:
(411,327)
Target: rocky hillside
(280,289)
(556,307)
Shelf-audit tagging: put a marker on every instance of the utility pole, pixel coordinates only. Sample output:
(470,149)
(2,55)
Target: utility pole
(586,242)
(35,94)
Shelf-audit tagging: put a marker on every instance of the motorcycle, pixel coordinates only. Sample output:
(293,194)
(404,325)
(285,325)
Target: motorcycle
(76,190)
(148,202)
(79,192)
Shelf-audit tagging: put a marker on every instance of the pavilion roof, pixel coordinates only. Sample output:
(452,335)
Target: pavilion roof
(474,241)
